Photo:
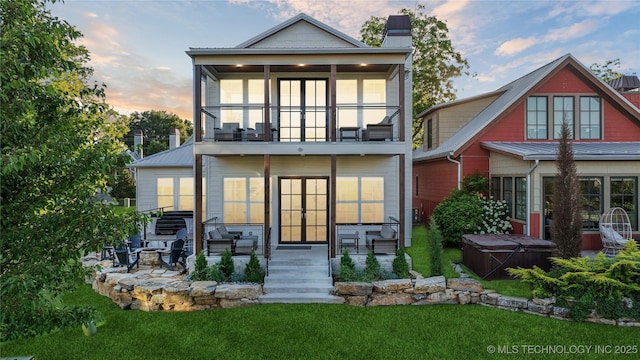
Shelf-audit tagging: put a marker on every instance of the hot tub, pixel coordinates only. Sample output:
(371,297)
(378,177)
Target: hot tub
(489,255)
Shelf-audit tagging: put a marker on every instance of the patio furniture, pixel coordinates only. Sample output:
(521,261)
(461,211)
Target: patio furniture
(615,230)
(228,132)
(246,244)
(349,133)
(216,244)
(348,240)
(226,234)
(383,241)
(174,256)
(257,134)
(126,257)
(381,131)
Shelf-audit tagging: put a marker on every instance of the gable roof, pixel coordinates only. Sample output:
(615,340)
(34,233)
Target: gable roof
(581,150)
(512,93)
(296,19)
(179,157)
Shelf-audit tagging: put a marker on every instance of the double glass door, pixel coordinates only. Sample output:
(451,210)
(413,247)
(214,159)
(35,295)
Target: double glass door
(302,110)
(303,209)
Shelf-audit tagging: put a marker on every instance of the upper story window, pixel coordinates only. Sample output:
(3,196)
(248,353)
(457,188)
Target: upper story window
(537,117)
(588,125)
(241,101)
(562,112)
(360,101)
(590,115)
(429,133)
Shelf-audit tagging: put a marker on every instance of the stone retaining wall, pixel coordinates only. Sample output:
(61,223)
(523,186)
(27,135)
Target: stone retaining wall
(169,294)
(438,290)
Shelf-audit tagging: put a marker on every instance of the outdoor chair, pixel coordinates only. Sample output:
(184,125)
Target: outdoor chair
(381,131)
(126,257)
(173,257)
(188,244)
(229,132)
(615,230)
(226,234)
(257,134)
(216,244)
(383,241)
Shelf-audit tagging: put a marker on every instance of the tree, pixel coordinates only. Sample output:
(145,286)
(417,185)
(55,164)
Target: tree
(435,61)
(156,126)
(606,72)
(57,155)
(566,229)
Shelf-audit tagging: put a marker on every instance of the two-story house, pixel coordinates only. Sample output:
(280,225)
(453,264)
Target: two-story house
(511,136)
(302,133)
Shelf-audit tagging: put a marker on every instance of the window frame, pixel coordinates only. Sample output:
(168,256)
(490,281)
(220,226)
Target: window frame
(590,112)
(633,215)
(360,203)
(248,201)
(537,125)
(520,198)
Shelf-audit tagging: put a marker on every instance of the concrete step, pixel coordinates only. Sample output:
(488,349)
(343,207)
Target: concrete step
(292,289)
(300,298)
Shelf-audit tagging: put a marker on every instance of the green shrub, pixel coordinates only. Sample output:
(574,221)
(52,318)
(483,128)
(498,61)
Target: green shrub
(252,271)
(456,215)
(215,273)
(226,263)
(372,267)
(200,267)
(611,286)
(347,267)
(400,265)
(435,249)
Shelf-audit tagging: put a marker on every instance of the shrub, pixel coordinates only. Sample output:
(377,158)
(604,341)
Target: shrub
(400,265)
(372,267)
(200,267)
(226,263)
(215,273)
(611,286)
(347,267)
(456,215)
(435,249)
(495,217)
(253,272)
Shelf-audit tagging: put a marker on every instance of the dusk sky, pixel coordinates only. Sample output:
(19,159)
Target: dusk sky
(138,47)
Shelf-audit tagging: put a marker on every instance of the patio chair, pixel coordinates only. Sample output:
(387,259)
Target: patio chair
(229,132)
(381,131)
(174,256)
(188,244)
(126,257)
(257,134)
(615,230)
(217,244)
(383,241)
(226,234)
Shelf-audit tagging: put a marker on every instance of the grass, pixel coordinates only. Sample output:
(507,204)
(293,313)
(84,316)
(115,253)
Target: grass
(421,263)
(313,331)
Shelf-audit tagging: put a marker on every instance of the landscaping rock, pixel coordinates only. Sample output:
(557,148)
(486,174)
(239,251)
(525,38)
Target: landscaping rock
(202,288)
(239,291)
(538,308)
(356,300)
(464,297)
(544,301)
(430,285)
(465,284)
(378,299)
(353,288)
(490,298)
(387,286)
(513,302)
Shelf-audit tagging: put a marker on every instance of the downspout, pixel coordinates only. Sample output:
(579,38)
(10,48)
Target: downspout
(528,232)
(459,168)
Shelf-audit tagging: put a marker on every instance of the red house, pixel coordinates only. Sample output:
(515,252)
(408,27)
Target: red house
(511,136)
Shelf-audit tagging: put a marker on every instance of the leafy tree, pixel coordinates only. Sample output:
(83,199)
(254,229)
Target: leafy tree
(58,152)
(566,229)
(156,126)
(435,61)
(606,71)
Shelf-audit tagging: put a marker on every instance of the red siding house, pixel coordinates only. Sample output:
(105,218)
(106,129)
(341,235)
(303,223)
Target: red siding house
(511,136)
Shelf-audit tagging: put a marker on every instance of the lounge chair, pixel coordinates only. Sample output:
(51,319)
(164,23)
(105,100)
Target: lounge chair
(383,241)
(381,131)
(257,134)
(173,257)
(126,257)
(228,132)
(217,244)
(615,230)
(226,234)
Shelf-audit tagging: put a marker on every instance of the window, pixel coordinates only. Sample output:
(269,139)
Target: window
(495,188)
(234,108)
(186,195)
(243,200)
(537,117)
(176,193)
(429,133)
(164,188)
(521,198)
(624,194)
(507,193)
(359,200)
(592,199)
(590,117)
(562,112)
(417,187)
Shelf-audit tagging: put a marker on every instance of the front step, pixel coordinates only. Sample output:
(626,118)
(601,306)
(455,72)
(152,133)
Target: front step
(298,277)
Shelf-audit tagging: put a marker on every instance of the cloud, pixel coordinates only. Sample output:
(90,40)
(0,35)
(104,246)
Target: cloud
(574,31)
(515,46)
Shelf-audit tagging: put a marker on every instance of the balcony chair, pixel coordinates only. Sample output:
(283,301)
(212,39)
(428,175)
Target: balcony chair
(173,257)
(216,244)
(257,134)
(381,131)
(229,132)
(383,241)
(126,257)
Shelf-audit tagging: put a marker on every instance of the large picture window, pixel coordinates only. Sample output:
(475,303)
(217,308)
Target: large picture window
(624,194)
(243,200)
(175,193)
(542,114)
(359,200)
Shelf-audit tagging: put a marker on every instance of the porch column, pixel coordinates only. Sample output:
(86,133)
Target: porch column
(267,209)
(402,170)
(332,208)
(266,129)
(401,217)
(197,163)
(401,123)
(333,120)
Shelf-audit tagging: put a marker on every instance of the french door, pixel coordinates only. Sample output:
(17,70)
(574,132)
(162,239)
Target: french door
(303,209)
(302,114)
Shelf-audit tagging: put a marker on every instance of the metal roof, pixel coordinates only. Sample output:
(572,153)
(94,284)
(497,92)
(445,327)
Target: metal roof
(511,93)
(625,83)
(585,151)
(182,156)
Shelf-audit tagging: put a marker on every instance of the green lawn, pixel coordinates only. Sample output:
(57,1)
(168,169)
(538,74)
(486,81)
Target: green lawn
(421,263)
(315,332)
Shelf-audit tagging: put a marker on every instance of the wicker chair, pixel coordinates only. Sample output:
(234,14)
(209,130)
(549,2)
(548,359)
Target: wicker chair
(615,230)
